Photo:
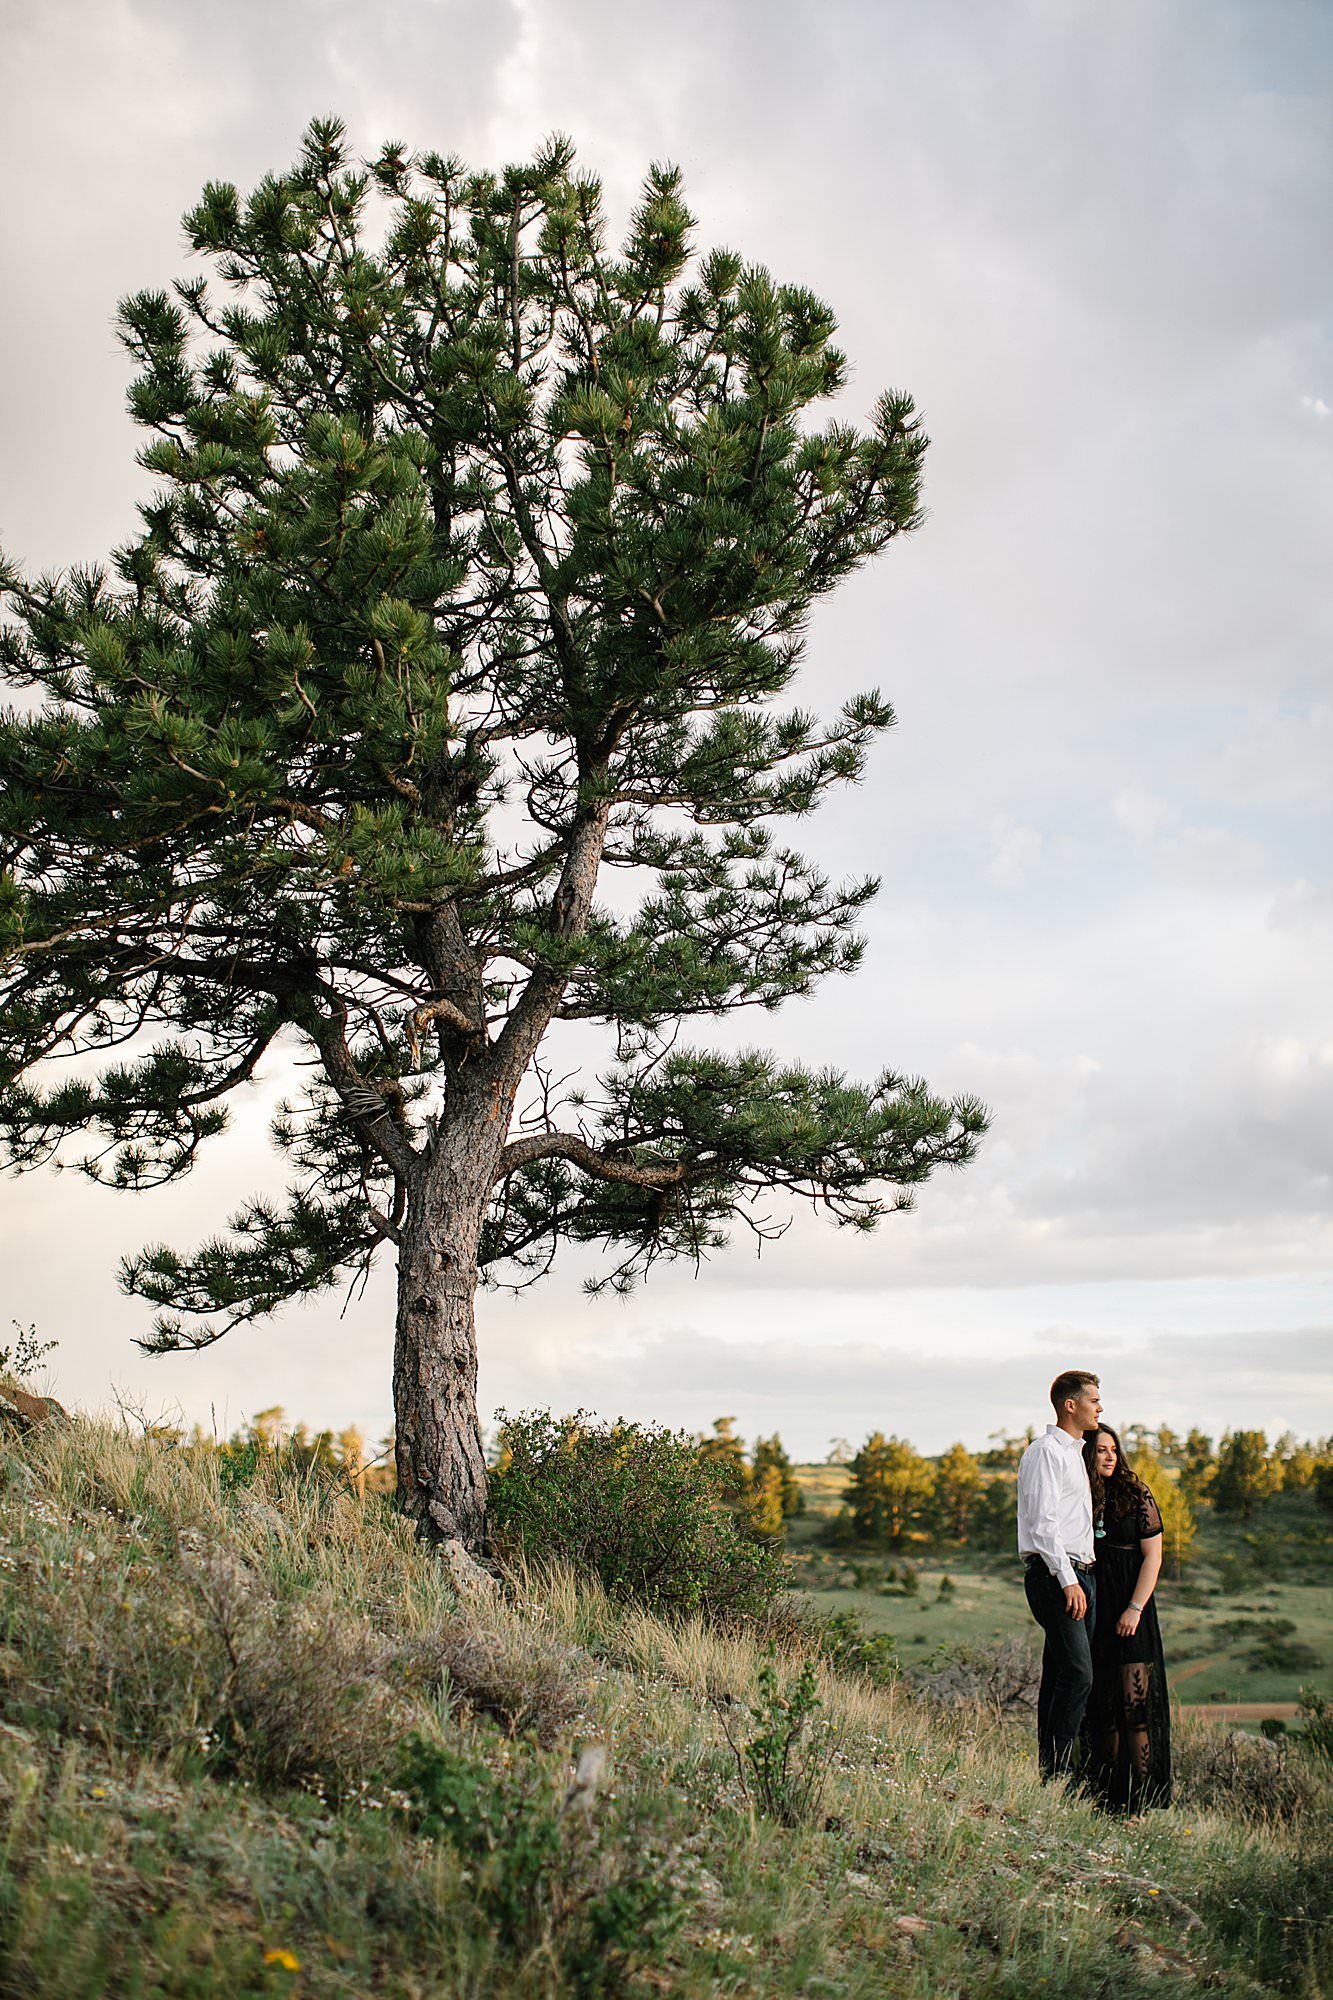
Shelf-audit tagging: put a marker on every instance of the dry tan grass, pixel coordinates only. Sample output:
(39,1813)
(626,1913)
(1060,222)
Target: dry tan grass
(300,1632)
(285,1628)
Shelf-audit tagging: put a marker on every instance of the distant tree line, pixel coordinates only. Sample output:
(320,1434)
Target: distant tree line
(895,1493)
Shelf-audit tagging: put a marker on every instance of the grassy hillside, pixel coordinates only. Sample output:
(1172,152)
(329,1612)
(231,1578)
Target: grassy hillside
(1250,1620)
(253,1742)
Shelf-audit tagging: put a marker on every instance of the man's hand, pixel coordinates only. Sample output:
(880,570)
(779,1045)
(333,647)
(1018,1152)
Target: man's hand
(1076,1604)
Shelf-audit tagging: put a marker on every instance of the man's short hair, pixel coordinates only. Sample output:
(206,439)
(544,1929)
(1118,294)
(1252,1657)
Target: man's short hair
(1072,1383)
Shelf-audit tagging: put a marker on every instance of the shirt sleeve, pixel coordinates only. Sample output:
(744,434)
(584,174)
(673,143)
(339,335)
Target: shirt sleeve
(1039,1483)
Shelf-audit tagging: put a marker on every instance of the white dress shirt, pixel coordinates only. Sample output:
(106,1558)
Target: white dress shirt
(1055,1503)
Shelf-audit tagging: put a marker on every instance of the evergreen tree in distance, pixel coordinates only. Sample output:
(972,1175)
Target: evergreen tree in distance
(958,1486)
(890,1481)
(436,703)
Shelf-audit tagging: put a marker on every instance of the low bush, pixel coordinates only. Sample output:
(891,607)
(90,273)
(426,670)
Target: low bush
(227,1641)
(1227,1631)
(292,1689)
(1263,1779)
(1274,1649)
(1284,1656)
(509,1670)
(204,1658)
(1002,1679)
(634,1506)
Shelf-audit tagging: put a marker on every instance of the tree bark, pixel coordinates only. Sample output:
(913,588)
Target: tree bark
(440,1463)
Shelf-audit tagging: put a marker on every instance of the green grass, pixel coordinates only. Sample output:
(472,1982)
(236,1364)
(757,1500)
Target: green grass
(1208,1659)
(175,1821)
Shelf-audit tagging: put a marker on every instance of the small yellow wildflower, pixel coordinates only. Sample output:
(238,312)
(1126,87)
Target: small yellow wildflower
(98,1792)
(1154,1892)
(286,1959)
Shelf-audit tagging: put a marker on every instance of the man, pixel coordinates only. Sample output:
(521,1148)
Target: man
(1055,1542)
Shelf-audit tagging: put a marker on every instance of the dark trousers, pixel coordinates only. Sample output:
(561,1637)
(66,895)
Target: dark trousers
(1066,1666)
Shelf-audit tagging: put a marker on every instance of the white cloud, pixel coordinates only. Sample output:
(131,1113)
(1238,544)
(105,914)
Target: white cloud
(1017,852)
(1303,905)
(1142,813)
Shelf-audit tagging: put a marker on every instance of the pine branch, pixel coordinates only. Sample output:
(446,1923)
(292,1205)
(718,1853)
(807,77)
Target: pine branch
(602,1165)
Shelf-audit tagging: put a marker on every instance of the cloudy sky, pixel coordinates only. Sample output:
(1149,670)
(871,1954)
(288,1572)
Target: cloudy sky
(1094,243)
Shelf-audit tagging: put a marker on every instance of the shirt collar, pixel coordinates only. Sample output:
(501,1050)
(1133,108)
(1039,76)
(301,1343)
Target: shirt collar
(1054,1430)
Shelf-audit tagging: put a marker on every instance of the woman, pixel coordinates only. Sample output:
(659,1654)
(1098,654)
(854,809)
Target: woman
(1125,1753)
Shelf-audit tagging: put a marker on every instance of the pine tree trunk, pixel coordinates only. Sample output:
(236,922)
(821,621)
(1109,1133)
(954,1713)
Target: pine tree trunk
(440,1462)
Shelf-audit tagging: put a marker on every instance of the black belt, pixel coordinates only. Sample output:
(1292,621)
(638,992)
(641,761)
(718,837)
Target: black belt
(1081,1569)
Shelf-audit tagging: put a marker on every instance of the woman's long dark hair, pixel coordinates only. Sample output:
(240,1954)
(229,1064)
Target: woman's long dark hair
(1114,1497)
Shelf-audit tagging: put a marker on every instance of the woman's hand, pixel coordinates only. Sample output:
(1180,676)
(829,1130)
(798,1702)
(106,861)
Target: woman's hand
(1128,1622)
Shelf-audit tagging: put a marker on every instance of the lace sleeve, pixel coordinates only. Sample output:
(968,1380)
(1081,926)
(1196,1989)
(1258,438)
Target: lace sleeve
(1150,1520)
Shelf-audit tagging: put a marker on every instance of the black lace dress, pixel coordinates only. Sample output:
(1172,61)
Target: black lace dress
(1125,1752)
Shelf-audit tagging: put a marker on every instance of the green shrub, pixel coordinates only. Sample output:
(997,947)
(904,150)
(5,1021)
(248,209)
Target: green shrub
(1227,1630)
(1284,1656)
(206,1658)
(542,1880)
(782,1746)
(184,1645)
(633,1505)
(849,1649)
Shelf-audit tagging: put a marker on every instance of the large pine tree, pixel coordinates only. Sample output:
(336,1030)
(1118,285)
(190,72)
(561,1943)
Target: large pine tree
(481,556)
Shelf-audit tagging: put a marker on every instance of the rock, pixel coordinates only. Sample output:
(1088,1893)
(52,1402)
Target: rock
(588,1775)
(911,1927)
(261,1513)
(22,1409)
(468,1577)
